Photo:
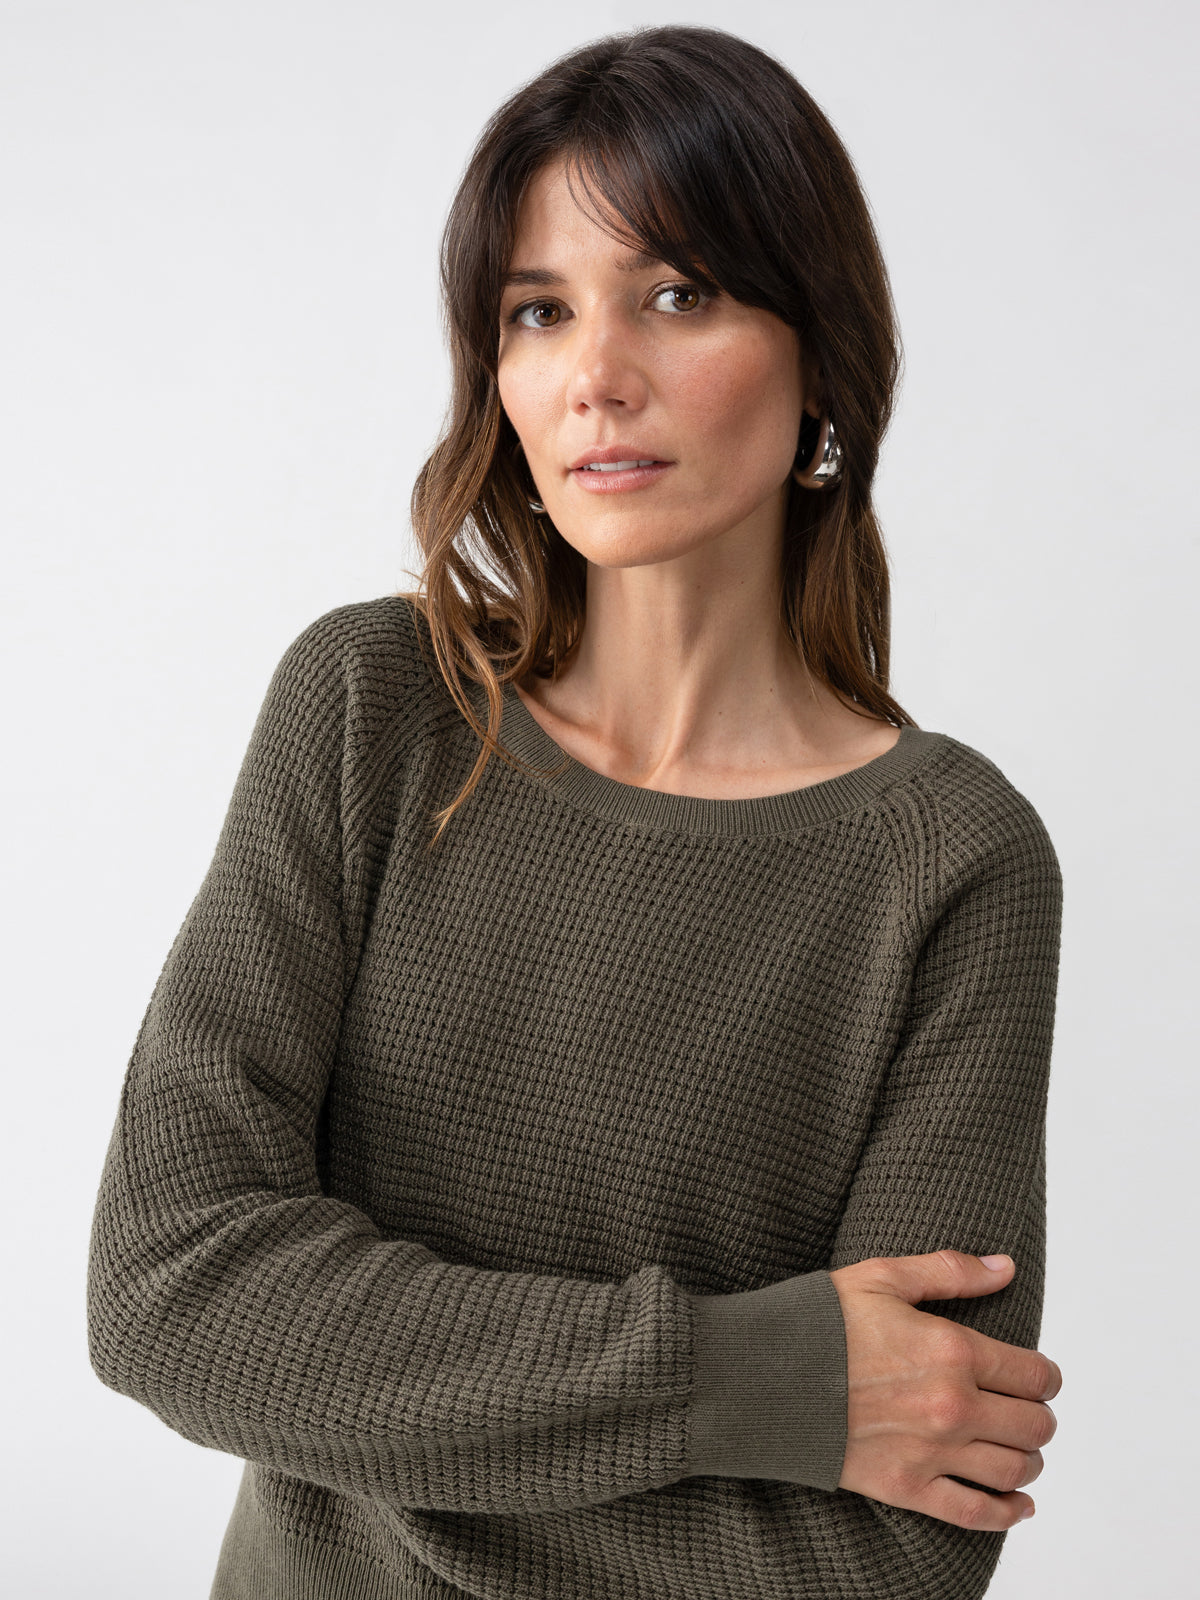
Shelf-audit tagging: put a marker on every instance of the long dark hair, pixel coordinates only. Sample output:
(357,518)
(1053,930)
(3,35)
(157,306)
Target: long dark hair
(717,162)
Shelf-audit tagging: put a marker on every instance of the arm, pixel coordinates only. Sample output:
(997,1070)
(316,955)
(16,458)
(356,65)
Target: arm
(255,1314)
(956,1155)
(955,1158)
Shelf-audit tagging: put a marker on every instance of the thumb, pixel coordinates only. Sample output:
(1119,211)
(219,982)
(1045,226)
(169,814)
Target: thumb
(946,1275)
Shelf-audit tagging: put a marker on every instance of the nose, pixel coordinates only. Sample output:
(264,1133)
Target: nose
(606,367)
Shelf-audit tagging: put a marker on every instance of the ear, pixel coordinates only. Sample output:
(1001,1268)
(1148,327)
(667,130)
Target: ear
(811,383)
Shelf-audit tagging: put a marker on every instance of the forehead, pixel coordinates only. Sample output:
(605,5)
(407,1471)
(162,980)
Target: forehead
(553,228)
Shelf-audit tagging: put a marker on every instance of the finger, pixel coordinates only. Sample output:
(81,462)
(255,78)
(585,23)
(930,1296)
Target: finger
(1019,1424)
(973,1508)
(995,1467)
(939,1275)
(1010,1369)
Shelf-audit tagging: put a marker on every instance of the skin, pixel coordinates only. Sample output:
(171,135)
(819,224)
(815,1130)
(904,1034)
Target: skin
(930,1401)
(685,682)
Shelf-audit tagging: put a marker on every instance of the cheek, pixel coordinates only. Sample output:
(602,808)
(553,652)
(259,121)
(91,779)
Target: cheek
(528,396)
(743,398)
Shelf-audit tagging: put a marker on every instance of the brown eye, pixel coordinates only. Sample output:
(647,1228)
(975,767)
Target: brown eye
(538,309)
(684,296)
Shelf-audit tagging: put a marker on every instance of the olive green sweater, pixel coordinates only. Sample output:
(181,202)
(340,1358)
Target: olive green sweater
(485,1201)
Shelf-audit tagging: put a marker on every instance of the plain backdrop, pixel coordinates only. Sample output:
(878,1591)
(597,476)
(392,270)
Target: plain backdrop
(222,367)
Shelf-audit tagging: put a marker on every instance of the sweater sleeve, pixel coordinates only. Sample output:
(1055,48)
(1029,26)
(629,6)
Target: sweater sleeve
(256,1314)
(954,1158)
(956,1154)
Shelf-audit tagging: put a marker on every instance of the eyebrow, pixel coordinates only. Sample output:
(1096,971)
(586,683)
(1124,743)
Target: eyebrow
(543,278)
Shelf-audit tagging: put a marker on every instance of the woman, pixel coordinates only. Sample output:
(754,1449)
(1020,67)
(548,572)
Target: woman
(538,1190)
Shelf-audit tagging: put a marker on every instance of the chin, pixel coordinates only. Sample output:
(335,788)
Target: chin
(633,542)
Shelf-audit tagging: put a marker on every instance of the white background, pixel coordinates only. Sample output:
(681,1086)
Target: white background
(222,366)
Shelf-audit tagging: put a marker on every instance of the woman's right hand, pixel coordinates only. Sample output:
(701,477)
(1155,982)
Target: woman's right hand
(928,1397)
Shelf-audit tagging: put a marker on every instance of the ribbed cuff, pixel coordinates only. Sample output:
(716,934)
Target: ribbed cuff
(769,1398)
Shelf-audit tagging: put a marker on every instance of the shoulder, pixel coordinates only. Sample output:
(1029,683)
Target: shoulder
(379,632)
(348,704)
(376,657)
(974,821)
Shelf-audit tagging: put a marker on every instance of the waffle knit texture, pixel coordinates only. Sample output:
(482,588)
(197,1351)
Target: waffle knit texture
(484,1202)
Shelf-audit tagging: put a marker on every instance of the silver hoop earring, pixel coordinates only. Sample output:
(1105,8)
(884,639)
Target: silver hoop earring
(535,506)
(827,462)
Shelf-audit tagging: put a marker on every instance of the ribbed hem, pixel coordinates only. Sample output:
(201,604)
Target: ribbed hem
(260,1561)
(770,1393)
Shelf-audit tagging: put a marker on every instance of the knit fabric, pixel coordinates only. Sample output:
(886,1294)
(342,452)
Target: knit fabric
(484,1201)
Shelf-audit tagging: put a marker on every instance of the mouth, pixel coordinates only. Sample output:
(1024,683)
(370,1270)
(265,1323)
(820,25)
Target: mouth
(614,468)
(615,477)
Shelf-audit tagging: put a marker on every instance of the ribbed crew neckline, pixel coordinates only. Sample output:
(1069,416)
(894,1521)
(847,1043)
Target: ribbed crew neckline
(523,735)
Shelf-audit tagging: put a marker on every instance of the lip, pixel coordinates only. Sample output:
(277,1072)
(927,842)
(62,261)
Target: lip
(618,452)
(619,482)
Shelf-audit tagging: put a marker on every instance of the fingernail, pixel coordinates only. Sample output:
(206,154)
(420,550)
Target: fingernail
(1026,1514)
(997,1263)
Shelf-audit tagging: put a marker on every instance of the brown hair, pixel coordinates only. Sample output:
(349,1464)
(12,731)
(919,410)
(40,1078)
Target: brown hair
(719,163)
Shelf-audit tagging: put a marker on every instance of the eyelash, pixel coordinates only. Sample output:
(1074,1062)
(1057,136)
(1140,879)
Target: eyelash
(514,316)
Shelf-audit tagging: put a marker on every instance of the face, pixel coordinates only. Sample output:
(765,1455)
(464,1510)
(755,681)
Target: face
(608,356)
